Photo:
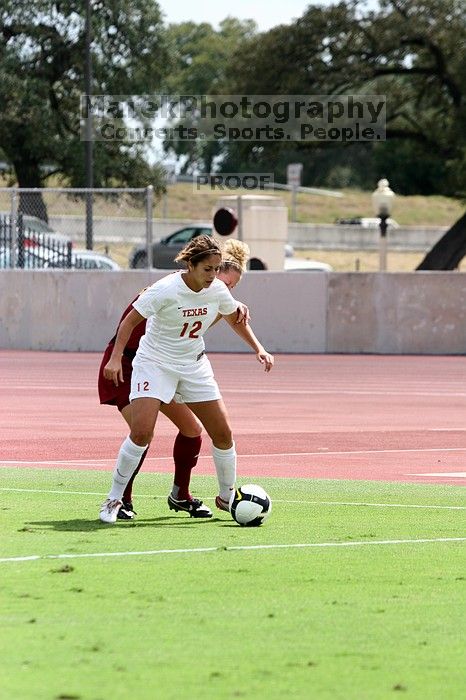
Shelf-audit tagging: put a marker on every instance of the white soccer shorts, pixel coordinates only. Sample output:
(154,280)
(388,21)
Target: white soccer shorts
(188,383)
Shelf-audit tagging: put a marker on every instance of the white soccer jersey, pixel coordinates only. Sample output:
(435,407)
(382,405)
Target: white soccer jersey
(178,318)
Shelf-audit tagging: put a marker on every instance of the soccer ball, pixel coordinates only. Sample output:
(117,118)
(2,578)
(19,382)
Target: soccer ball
(250,505)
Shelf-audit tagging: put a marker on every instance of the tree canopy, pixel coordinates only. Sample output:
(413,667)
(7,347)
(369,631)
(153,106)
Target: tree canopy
(200,56)
(42,52)
(412,51)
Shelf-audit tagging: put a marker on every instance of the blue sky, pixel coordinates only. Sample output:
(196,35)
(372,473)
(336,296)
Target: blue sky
(267,13)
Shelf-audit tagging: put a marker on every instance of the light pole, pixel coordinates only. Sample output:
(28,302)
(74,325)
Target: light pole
(382,203)
(88,143)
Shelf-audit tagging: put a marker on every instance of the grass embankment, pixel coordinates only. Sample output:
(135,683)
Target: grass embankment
(183,202)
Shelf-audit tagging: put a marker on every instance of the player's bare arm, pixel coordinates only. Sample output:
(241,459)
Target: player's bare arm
(246,333)
(113,369)
(242,315)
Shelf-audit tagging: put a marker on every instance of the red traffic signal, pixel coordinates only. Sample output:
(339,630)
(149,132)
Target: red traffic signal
(225,221)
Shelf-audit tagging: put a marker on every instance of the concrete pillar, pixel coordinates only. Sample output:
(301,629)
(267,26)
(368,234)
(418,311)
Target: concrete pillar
(262,224)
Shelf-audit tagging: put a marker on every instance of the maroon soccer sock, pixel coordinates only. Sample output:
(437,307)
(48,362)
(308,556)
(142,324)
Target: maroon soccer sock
(128,492)
(185,454)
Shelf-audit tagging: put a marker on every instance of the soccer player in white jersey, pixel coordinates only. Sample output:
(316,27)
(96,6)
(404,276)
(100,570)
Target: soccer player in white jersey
(171,361)
(188,441)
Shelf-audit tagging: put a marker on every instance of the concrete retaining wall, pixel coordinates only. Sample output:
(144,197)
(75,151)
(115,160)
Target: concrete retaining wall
(333,237)
(401,313)
(295,312)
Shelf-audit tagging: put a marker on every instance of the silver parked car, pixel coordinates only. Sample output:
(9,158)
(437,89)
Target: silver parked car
(165,251)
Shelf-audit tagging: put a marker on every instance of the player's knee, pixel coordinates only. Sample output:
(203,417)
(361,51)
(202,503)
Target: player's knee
(196,430)
(192,429)
(141,437)
(223,439)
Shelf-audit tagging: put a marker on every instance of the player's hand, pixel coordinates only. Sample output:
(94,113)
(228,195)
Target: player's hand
(266,359)
(242,314)
(113,371)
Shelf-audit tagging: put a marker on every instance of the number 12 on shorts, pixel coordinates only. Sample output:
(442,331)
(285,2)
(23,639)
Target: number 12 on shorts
(143,386)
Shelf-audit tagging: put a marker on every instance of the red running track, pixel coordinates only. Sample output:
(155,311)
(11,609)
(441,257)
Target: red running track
(392,418)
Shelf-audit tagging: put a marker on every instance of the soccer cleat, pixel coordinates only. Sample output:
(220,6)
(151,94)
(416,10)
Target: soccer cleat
(126,511)
(221,504)
(193,506)
(109,510)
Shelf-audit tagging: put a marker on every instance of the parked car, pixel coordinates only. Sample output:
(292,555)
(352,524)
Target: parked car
(35,231)
(36,225)
(35,242)
(85,260)
(30,259)
(302,265)
(88,260)
(165,250)
(38,258)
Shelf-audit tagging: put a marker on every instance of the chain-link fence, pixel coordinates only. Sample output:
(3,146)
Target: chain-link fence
(59,227)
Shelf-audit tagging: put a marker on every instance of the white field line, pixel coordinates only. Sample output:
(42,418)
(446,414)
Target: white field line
(445,430)
(62,461)
(275,500)
(455,475)
(256,547)
(322,452)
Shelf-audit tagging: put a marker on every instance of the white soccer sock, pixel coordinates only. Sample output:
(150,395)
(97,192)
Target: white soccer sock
(225,464)
(127,461)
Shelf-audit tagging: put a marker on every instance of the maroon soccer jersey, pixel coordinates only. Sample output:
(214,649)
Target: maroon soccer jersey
(108,392)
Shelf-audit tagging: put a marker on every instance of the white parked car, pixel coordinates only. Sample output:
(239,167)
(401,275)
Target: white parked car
(302,265)
(88,260)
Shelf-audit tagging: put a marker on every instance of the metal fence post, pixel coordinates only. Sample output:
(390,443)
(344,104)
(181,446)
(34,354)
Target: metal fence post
(20,239)
(13,232)
(69,257)
(149,231)
(89,220)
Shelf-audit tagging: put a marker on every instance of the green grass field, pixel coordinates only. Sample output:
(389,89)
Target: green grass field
(320,602)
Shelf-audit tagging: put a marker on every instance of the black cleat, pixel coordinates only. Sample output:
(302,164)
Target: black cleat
(193,506)
(126,511)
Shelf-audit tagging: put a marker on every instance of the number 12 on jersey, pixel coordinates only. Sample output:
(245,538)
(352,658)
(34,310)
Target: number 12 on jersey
(194,329)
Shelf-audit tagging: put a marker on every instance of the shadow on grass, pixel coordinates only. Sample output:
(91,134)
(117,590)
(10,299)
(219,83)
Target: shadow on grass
(83,525)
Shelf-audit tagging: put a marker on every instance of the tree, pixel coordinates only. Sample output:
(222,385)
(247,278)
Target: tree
(42,47)
(200,56)
(410,50)
(448,252)
(429,70)
(415,53)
